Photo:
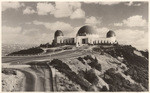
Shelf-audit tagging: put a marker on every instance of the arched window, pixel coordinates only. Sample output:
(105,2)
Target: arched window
(104,42)
(101,42)
(107,42)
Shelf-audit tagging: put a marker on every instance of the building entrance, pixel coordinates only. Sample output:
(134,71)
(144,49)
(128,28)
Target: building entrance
(84,41)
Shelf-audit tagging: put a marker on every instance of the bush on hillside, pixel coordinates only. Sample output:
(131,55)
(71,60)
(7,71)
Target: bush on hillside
(58,64)
(56,50)
(9,71)
(54,44)
(118,83)
(94,62)
(30,51)
(49,51)
(43,63)
(90,76)
(64,68)
(97,49)
(145,53)
(138,66)
(139,75)
(67,48)
(81,59)
(88,57)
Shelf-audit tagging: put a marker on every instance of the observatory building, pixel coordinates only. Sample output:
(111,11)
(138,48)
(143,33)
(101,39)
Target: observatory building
(85,35)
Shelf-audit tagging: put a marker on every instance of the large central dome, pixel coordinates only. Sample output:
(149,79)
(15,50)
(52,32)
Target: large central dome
(83,31)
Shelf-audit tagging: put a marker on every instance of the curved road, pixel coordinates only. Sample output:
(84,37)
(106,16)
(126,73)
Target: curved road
(29,81)
(38,77)
(26,59)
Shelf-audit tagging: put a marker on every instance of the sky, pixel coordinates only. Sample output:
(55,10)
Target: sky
(36,22)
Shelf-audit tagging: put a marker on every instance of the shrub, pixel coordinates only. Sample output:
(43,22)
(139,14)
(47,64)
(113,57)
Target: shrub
(104,88)
(9,72)
(97,49)
(88,57)
(29,51)
(43,63)
(49,51)
(138,75)
(58,50)
(64,68)
(67,48)
(118,83)
(58,64)
(80,59)
(145,53)
(94,62)
(138,66)
(90,76)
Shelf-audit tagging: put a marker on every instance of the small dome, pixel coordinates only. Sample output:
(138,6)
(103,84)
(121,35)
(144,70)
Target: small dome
(110,33)
(58,33)
(86,30)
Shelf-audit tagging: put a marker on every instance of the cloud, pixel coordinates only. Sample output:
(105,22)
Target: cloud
(134,21)
(132,4)
(74,5)
(61,9)
(66,28)
(11,5)
(10,33)
(17,35)
(102,31)
(102,3)
(118,24)
(55,26)
(11,30)
(28,23)
(79,13)
(30,32)
(108,3)
(136,38)
(35,36)
(29,10)
(62,26)
(142,43)
(92,20)
(44,8)
(68,9)
(116,2)
(74,31)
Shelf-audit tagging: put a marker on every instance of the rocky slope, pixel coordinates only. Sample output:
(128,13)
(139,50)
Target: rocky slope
(98,68)
(119,68)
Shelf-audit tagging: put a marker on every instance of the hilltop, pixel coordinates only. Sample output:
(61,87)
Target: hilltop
(91,68)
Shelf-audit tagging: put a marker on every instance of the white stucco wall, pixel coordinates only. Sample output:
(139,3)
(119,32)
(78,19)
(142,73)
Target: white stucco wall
(92,38)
